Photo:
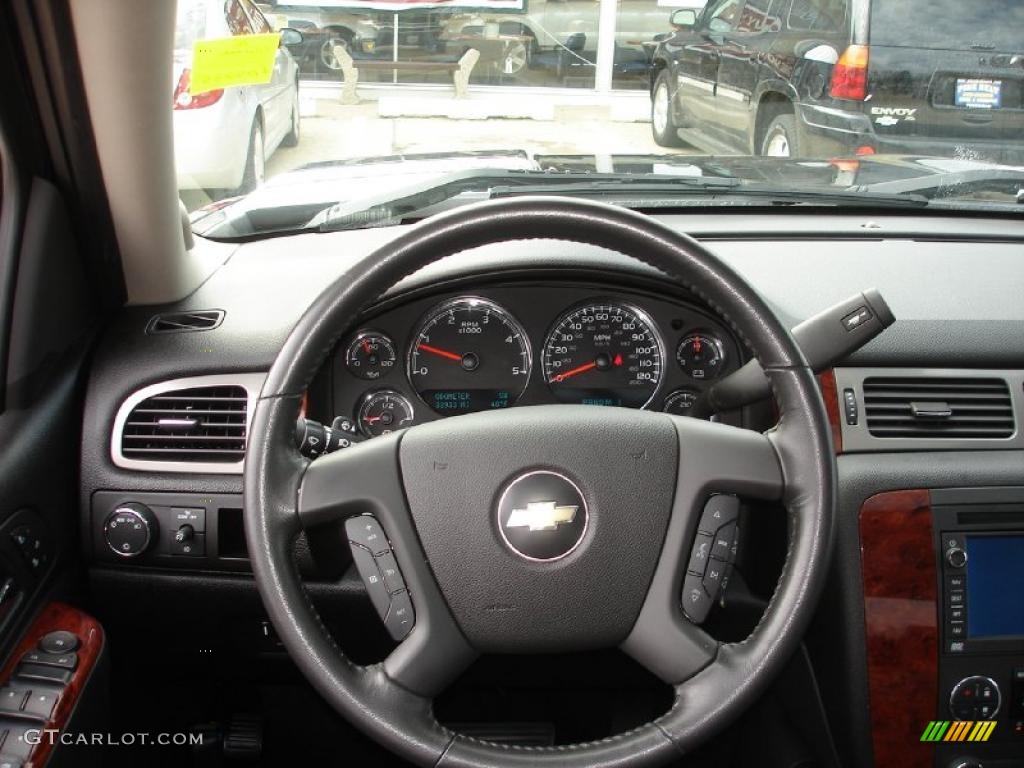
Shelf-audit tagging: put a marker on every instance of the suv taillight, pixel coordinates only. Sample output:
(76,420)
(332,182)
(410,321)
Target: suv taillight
(850,74)
(185,100)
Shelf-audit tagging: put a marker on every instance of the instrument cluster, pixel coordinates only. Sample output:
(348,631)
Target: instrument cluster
(525,344)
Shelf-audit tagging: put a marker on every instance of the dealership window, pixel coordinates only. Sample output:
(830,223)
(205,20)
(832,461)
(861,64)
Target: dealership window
(543,43)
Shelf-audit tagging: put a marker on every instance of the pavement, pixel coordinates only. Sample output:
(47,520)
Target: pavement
(377,126)
(338,132)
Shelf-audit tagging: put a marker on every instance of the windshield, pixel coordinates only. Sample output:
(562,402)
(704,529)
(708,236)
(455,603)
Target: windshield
(371,112)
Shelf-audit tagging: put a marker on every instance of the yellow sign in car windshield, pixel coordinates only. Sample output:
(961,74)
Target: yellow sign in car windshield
(227,61)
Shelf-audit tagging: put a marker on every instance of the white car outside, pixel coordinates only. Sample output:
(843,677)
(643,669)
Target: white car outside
(223,138)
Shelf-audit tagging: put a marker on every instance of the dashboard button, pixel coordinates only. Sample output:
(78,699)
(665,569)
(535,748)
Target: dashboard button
(975,698)
(700,554)
(366,532)
(401,617)
(58,642)
(12,699)
(371,577)
(696,601)
(389,570)
(718,511)
(40,704)
(713,578)
(42,673)
(63,660)
(956,597)
(722,546)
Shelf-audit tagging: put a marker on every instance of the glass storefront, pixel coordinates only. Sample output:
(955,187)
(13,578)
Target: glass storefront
(546,43)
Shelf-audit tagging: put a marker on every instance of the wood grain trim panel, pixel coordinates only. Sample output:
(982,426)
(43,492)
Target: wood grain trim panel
(830,394)
(90,634)
(898,566)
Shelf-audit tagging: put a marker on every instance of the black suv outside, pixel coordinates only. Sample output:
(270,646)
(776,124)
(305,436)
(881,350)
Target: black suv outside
(818,78)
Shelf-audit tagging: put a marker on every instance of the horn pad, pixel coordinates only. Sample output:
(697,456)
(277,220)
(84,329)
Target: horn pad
(543,524)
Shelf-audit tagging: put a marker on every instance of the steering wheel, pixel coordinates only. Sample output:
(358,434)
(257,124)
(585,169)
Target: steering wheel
(441,492)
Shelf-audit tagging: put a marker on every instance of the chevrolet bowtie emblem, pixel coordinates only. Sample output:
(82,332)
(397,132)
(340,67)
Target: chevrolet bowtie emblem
(541,516)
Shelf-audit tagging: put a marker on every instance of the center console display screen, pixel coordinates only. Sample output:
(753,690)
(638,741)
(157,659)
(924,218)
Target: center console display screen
(995,586)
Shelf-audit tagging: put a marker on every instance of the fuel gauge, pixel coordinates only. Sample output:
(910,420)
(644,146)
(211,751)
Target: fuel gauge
(384,411)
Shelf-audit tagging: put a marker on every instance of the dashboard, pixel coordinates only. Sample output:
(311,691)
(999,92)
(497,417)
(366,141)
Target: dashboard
(490,327)
(527,343)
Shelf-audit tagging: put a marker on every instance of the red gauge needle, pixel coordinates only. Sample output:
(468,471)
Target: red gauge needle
(602,363)
(366,347)
(579,369)
(371,419)
(439,352)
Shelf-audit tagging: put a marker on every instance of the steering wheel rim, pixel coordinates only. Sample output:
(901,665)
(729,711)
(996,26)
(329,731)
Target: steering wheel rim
(392,701)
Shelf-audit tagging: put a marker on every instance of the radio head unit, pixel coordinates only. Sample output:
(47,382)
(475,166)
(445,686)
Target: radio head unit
(982,590)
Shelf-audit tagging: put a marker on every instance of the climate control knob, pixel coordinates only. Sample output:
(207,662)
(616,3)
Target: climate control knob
(130,529)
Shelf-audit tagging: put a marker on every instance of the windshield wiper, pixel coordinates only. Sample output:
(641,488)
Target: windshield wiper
(953,184)
(393,207)
(658,192)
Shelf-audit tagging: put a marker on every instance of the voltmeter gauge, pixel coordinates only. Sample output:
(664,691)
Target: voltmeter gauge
(383,412)
(370,355)
(680,402)
(701,356)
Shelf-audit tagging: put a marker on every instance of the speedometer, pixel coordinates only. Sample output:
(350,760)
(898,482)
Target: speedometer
(603,354)
(469,355)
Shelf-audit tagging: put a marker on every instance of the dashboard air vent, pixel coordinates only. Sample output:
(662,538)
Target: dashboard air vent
(178,322)
(954,407)
(199,424)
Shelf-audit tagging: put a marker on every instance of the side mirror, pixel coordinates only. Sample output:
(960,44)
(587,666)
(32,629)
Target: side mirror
(683,18)
(290,36)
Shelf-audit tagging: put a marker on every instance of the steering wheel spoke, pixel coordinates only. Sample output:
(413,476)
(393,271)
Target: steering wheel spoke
(364,482)
(716,463)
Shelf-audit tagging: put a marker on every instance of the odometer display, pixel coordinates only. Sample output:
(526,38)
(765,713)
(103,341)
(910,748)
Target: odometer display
(603,354)
(469,355)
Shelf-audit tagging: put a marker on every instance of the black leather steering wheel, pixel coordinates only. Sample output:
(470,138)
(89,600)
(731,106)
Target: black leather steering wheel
(435,489)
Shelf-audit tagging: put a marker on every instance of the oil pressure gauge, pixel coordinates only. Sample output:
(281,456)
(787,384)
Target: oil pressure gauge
(370,355)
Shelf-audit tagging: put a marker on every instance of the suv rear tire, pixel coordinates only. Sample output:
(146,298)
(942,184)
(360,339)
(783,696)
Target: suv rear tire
(663,125)
(780,139)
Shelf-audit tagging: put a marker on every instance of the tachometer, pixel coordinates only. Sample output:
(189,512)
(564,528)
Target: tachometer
(469,355)
(603,354)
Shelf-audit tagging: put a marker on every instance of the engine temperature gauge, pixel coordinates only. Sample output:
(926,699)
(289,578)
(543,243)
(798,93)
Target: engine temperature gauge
(383,412)
(701,356)
(370,355)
